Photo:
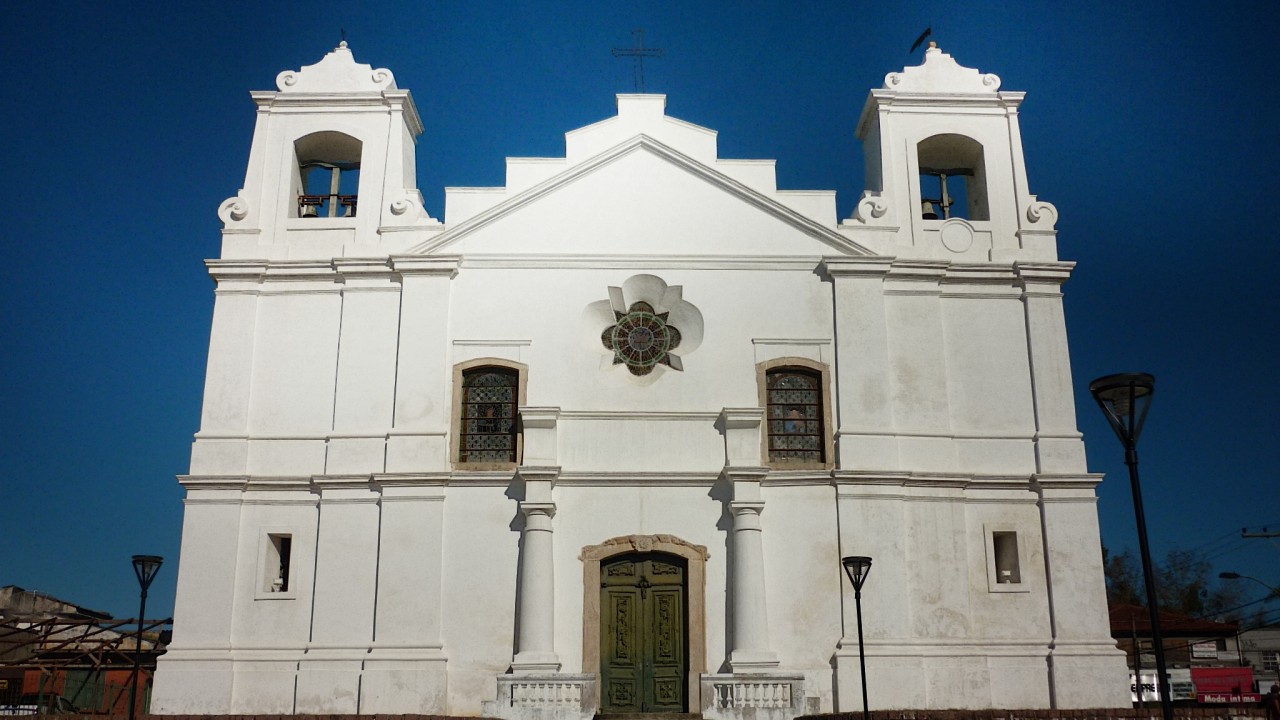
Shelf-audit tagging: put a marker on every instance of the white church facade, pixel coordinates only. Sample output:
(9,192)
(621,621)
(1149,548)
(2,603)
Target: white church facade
(598,440)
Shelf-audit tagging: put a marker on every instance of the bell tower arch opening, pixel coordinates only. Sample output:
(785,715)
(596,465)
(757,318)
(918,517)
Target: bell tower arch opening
(326,175)
(953,178)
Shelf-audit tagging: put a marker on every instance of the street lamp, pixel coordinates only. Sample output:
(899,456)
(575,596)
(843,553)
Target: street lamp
(145,567)
(1237,576)
(1125,399)
(857,567)
(1272,592)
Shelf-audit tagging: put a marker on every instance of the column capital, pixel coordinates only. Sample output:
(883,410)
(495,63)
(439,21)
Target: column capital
(740,507)
(745,473)
(538,508)
(538,473)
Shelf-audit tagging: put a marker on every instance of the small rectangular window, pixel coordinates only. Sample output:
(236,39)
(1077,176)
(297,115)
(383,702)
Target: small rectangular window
(1006,551)
(1271,661)
(279,555)
(1004,559)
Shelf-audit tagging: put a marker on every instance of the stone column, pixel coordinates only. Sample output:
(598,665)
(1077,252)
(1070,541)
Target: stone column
(535,642)
(749,628)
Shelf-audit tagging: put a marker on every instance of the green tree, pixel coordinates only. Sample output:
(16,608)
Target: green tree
(1184,579)
(1124,581)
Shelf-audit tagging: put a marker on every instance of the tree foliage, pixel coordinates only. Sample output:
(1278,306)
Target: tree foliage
(1185,582)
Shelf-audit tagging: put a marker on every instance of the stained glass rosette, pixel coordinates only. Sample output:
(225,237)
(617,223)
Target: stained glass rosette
(641,339)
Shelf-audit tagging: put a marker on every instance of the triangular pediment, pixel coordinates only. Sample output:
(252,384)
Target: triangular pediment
(641,197)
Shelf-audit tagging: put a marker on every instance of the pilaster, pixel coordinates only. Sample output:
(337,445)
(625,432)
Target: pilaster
(917,369)
(405,671)
(1085,667)
(1059,444)
(864,438)
(418,440)
(343,605)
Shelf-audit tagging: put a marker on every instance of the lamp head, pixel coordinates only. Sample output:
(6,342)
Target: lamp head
(1229,575)
(857,567)
(146,567)
(1125,399)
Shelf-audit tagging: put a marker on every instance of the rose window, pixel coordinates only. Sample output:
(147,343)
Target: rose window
(641,338)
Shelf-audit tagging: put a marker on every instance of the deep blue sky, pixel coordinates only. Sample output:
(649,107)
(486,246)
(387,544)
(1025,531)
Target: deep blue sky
(1153,130)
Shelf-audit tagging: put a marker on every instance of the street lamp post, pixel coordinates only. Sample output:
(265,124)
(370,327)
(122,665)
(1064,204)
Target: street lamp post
(1271,589)
(145,567)
(1125,399)
(1272,592)
(858,567)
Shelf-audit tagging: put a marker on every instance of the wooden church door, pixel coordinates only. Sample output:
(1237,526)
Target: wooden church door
(643,647)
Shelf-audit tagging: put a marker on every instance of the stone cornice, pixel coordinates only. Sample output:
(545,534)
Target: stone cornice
(662,261)
(871,266)
(334,269)
(1044,272)
(419,265)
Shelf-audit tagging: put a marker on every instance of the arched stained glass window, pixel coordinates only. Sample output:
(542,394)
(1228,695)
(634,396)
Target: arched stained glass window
(794,415)
(488,428)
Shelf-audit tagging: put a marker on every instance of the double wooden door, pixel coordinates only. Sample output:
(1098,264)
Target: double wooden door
(643,648)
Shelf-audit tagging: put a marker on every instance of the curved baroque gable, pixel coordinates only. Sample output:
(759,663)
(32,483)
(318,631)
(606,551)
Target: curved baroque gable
(337,71)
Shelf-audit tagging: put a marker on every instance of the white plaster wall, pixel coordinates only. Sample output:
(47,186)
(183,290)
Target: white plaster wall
(802,559)
(569,368)
(481,555)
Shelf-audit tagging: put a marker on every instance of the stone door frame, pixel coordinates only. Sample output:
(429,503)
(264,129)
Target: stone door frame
(695,557)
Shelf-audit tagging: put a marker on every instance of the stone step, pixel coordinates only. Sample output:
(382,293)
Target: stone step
(649,716)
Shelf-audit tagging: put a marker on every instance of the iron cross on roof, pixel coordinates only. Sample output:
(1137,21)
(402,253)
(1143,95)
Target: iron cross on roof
(638,53)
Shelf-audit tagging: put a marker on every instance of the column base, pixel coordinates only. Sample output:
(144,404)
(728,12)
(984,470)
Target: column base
(753,661)
(547,696)
(535,663)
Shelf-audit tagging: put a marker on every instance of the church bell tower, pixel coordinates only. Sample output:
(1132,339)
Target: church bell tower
(945,172)
(332,167)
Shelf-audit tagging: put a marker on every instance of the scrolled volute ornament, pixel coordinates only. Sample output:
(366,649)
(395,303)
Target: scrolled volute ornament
(232,210)
(991,80)
(872,206)
(286,79)
(404,206)
(1042,214)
